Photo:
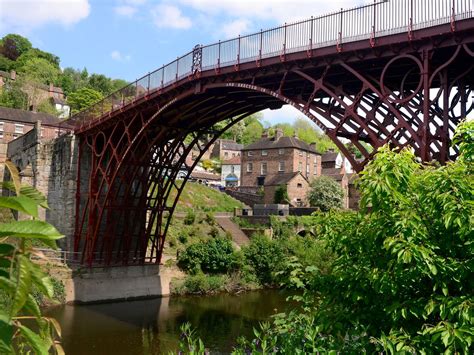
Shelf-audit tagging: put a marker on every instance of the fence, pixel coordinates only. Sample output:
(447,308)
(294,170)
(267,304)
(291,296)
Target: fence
(380,18)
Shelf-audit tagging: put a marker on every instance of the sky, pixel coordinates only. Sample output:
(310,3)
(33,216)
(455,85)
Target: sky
(125,39)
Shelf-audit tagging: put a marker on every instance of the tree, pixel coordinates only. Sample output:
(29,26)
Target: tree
(12,96)
(100,83)
(13,46)
(83,98)
(325,193)
(281,194)
(46,106)
(40,71)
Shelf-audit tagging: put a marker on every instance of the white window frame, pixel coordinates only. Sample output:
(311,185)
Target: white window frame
(264,152)
(281,166)
(300,167)
(19,128)
(249,153)
(301,153)
(263,171)
(281,151)
(249,167)
(2,126)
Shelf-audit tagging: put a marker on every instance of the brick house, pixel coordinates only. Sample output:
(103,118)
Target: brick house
(14,123)
(271,159)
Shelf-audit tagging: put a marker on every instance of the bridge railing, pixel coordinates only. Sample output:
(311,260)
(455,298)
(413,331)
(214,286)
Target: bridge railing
(367,22)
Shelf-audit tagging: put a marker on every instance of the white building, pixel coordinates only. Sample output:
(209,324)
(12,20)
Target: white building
(230,173)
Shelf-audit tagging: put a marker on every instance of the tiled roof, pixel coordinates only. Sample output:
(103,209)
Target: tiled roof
(231,161)
(12,114)
(57,100)
(330,156)
(282,142)
(228,144)
(282,179)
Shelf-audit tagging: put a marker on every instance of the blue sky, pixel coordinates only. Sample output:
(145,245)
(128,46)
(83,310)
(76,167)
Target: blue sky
(128,38)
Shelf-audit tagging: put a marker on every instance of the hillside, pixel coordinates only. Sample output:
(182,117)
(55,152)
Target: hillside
(202,198)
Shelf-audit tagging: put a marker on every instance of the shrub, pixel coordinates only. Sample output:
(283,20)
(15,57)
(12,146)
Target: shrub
(199,284)
(190,217)
(281,194)
(325,193)
(214,256)
(264,256)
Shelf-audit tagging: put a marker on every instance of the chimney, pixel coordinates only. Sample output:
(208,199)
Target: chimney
(295,135)
(278,133)
(51,90)
(13,75)
(313,145)
(265,134)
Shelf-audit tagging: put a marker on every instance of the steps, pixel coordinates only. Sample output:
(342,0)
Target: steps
(238,237)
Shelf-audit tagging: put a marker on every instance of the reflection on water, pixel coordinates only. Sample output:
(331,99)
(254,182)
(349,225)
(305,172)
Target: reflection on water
(152,326)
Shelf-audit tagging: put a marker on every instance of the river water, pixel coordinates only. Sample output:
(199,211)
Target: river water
(153,326)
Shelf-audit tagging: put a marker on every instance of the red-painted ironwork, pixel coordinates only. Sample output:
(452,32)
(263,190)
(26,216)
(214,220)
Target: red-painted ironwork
(403,77)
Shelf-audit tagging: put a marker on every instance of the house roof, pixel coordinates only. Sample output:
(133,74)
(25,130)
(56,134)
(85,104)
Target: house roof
(329,156)
(204,175)
(282,179)
(57,100)
(12,114)
(228,144)
(232,161)
(282,142)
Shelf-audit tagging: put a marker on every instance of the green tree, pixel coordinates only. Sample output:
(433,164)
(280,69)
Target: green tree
(23,329)
(36,53)
(83,98)
(100,83)
(14,45)
(12,96)
(325,193)
(46,106)
(39,70)
(6,64)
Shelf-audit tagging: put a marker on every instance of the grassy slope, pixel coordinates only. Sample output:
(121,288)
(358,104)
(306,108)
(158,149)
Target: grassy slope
(202,198)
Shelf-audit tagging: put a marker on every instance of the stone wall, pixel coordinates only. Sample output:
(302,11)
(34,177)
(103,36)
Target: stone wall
(51,167)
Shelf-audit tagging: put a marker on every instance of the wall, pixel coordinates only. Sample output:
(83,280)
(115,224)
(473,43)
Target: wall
(227,169)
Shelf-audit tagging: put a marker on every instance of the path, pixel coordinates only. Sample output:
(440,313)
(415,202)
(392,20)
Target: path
(238,237)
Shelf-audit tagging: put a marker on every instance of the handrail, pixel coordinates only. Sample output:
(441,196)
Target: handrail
(366,22)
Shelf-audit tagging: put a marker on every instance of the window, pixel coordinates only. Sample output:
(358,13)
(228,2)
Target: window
(281,151)
(300,167)
(315,169)
(249,167)
(233,155)
(232,169)
(264,152)
(1,135)
(249,153)
(19,128)
(1,126)
(226,154)
(263,169)
(281,166)
(299,185)
(307,169)
(301,153)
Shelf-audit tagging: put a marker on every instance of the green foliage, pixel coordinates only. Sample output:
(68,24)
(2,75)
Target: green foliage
(19,276)
(13,46)
(12,96)
(325,193)
(47,107)
(213,256)
(39,70)
(200,284)
(83,98)
(281,195)
(190,217)
(464,137)
(264,256)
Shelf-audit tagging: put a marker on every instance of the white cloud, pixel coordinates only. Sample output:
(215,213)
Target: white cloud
(119,57)
(125,10)
(235,28)
(169,16)
(26,15)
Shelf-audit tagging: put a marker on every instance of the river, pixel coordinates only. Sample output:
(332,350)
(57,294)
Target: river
(153,326)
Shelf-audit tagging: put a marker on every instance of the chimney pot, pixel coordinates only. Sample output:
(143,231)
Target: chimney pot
(265,134)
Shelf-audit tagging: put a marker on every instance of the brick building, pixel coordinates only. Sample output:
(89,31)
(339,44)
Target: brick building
(273,161)
(225,149)
(14,123)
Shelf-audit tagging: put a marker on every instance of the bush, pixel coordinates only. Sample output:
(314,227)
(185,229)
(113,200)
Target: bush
(264,256)
(200,284)
(214,256)
(325,193)
(281,194)
(190,217)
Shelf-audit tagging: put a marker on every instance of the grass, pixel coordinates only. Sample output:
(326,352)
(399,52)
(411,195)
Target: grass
(203,198)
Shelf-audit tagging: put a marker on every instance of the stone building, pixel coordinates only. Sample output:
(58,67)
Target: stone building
(296,186)
(225,149)
(272,161)
(230,172)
